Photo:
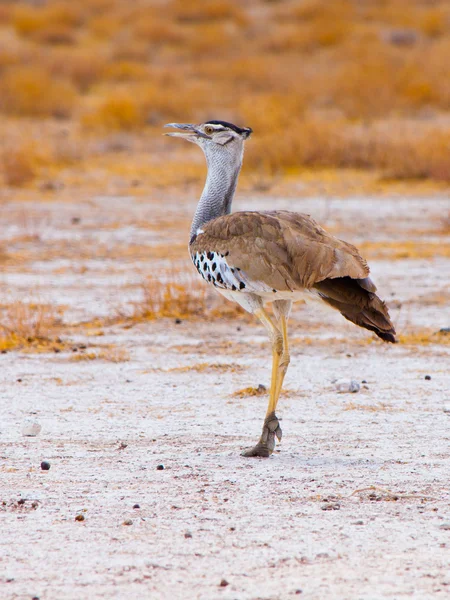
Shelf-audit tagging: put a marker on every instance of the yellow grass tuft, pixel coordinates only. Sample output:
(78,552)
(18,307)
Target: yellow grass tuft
(404,249)
(28,91)
(112,354)
(424,338)
(18,166)
(170,299)
(261,390)
(29,326)
(207,367)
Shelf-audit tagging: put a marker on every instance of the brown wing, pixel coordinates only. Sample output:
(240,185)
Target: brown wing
(283,250)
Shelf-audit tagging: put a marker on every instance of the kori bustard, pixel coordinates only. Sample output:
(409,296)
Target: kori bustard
(254,257)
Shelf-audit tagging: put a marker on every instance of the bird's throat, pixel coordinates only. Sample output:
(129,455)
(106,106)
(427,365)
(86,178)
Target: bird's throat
(217,195)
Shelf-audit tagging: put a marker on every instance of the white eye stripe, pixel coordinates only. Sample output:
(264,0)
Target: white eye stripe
(215,127)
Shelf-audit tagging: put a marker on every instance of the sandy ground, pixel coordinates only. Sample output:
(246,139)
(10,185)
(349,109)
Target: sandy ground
(213,524)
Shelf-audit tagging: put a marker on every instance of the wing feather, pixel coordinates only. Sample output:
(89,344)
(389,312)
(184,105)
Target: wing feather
(279,250)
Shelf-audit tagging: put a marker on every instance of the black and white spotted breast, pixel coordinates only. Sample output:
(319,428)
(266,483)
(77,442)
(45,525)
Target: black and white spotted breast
(214,269)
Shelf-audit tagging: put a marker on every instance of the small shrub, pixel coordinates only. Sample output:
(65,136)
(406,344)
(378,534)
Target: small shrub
(124,70)
(31,326)
(171,299)
(80,66)
(118,112)
(53,23)
(196,11)
(27,91)
(18,166)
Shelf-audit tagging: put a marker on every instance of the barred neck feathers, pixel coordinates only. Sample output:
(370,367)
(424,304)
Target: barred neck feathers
(221,181)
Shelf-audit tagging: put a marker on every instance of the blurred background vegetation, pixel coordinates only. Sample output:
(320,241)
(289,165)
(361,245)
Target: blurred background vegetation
(85,87)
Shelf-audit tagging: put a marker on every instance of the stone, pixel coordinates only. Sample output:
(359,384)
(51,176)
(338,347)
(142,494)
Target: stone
(347,386)
(31,428)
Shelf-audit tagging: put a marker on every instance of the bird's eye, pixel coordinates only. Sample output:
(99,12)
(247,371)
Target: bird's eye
(209,130)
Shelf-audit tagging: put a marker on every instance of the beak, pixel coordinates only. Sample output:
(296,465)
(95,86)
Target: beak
(189,132)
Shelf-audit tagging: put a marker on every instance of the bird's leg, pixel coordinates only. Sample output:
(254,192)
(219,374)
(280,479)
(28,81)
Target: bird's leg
(271,427)
(285,358)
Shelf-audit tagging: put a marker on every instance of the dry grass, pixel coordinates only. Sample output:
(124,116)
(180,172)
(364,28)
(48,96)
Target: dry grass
(31,91)
(404,249)
(111,354)
(32,327)
(261,390)
(166,298)
(206,368)
(334,84)
(379,407)
(18,166)
(178,294)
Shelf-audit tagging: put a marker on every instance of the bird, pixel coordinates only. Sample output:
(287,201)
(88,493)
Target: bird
(259,257)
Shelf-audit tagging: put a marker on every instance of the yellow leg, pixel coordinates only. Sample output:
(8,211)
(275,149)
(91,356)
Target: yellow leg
(271,427)
(285,358)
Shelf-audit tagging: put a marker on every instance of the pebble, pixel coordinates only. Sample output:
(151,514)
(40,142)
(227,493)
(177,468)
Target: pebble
(79,518)
(427,377)
(224,583)
(160,468)
(445,526)
(136,506)
(188,534)
(31,428)
(127,522)
(347,386)
(331,506)
(45,466)
(447,408)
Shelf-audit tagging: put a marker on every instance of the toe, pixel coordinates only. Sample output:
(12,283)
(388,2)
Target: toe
(258,450)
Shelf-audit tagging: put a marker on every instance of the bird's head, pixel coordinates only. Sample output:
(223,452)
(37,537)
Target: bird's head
(213,137)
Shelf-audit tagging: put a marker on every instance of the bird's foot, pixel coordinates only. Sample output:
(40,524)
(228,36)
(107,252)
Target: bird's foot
(266,444)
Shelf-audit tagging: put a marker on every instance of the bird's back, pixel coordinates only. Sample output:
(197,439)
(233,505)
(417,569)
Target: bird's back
(277,252)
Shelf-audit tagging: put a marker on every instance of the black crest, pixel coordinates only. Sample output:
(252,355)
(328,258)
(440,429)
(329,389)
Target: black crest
(241,130)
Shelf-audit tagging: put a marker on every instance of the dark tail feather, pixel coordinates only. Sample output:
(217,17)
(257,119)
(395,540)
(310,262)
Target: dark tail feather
(358,305)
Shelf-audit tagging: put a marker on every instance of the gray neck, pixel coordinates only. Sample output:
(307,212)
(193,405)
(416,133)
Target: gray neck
(217,196)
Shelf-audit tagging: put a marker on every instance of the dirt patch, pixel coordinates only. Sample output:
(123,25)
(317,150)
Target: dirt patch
(147,494)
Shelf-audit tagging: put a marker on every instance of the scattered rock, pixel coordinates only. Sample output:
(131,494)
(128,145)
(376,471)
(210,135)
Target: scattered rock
(444,330)
(160,468)
(447,408)
(136,506)
(45,466)
(363,381)
(122,446)
(261,388)
(299,591)
(224,583)
(347,386)
(427,377)
(358,523)
(178,321)
(31,428)
(331,506)
(79,517)
(188,534)
(127,522)
(445,526)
